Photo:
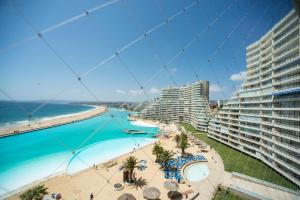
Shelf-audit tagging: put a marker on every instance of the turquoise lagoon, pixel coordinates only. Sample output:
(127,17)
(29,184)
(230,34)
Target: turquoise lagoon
(32,156)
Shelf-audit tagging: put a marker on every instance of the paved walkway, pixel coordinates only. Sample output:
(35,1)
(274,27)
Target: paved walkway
(259,189)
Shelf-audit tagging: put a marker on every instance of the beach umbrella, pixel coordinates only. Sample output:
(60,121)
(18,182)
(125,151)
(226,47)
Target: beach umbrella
(171,185)
(174,195)
(151,193)
(126,196)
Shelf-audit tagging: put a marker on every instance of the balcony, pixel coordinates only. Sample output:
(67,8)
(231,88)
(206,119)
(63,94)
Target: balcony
(287,79)
(267,123)
(268,69)
(267,162)
(286,61)
(253,48)
(287,117)
(252,58)
(292,31)
(250,127)
(287,146)
(252,64)
(287,53)
(284,173)
(269,147)
(253,140)
(266,152)
(267,50)
(286,45)
(286,25)
(285,126)
(285,164)
(286,155)
(286,90)
(257,149)
(286,136)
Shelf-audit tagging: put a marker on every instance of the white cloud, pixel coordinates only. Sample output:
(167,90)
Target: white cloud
(215,88)
(239,76)
(136,92)
(120,91)
(154,90)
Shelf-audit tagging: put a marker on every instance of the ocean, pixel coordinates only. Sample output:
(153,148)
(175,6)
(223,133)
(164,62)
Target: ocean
(15,112)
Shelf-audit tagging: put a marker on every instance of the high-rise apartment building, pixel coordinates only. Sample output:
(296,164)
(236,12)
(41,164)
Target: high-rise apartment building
(262,119)
(188,103)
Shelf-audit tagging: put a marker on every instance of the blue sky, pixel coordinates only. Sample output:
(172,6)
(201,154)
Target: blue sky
(30,71)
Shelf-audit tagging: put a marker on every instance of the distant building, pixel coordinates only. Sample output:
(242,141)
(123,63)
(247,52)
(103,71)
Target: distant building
(263,118)
(188,103)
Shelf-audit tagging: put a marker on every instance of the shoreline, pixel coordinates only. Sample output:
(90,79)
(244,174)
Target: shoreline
(51,122)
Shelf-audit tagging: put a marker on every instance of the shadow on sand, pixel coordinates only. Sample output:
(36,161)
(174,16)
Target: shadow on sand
(139,183)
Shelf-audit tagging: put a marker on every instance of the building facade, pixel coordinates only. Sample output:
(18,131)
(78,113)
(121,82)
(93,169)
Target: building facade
(188,104)
(262,119)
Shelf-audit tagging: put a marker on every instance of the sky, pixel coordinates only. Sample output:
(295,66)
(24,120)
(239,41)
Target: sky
(48,67)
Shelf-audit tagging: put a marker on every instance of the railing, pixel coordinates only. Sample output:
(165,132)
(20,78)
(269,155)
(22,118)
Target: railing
(285,61)
(287,136)
(287,43)
(278,40)
(292,50)
(287,79)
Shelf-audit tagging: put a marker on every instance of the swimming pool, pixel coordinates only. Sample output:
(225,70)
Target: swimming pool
(196,172)
(32,156)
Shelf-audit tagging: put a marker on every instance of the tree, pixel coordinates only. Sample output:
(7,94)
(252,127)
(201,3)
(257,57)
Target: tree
(157,150)
(183,136)
(36,193)
(177,140)
(130,165)
(183,144)
(165,157)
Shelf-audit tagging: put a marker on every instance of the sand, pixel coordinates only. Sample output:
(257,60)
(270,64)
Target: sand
(51,122)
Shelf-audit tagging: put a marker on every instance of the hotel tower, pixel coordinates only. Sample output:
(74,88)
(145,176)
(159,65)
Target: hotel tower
(262,119)
(188,103)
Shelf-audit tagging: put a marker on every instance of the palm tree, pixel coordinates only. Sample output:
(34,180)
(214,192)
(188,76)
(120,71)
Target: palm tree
(177,140)
(183,144)
(36,193)
(183,136)
(130,164)
(165,157)
(157,150)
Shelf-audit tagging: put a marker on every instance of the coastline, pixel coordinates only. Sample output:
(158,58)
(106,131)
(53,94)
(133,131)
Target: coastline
(51,122)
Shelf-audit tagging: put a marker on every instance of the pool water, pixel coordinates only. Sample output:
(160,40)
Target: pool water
(196,172)
(32,156)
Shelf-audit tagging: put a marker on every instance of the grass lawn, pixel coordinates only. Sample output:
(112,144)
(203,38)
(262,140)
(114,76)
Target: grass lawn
(223,195)
(236,161)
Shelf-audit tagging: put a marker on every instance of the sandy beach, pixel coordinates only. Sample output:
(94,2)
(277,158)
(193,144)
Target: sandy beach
(51,122)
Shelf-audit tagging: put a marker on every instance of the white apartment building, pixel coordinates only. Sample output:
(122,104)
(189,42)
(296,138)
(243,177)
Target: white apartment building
(262,119)
(188,103)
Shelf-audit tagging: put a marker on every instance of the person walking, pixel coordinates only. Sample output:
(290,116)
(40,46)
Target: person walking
(91,196)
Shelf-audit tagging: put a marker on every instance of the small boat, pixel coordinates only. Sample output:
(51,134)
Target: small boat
(132,131)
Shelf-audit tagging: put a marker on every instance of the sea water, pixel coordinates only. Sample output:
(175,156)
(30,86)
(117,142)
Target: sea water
(17,112)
